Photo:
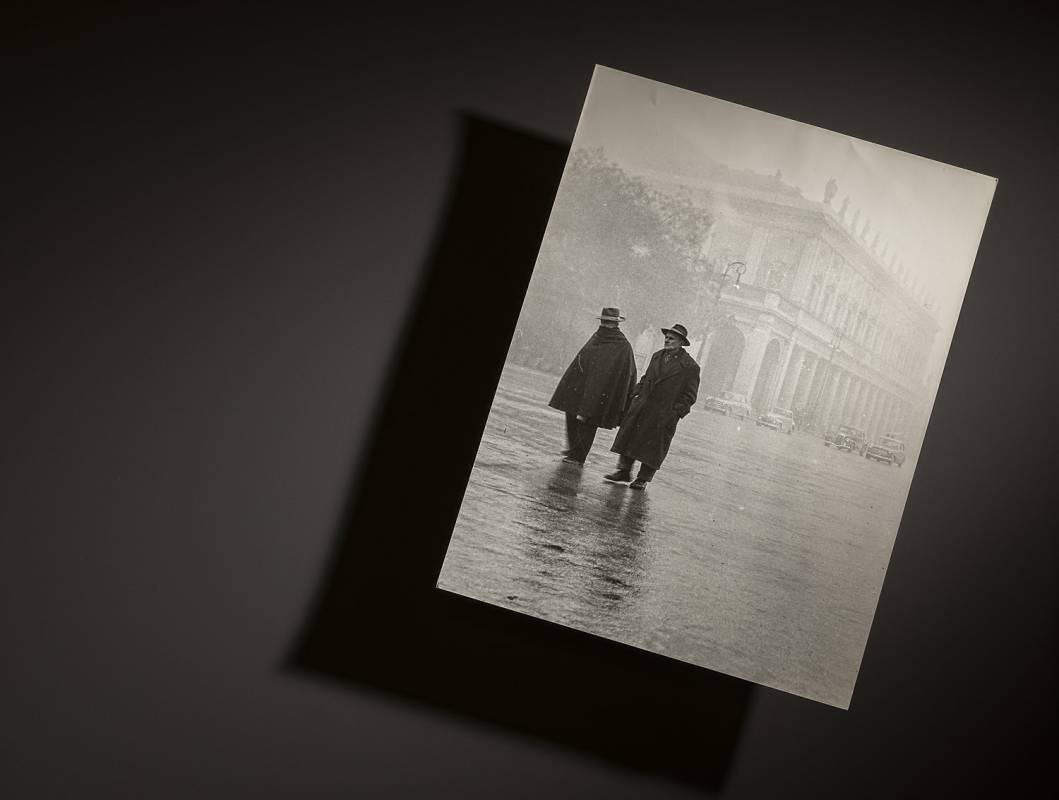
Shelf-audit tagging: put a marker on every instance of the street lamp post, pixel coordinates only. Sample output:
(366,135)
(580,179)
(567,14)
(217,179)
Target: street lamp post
(735,270)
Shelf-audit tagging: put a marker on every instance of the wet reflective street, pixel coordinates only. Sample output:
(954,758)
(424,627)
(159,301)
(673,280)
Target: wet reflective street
(754,553)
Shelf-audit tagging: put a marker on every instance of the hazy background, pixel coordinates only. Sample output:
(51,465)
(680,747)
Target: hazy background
(215,221)
(929,215)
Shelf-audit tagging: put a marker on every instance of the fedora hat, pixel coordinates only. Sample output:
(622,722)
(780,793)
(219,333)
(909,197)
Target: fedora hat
(611,315)
(680,331)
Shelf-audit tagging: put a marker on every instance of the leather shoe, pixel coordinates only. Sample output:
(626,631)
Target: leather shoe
(572,460)
(618,477)
(638,485)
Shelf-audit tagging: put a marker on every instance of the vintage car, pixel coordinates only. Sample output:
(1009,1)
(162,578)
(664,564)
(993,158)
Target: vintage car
(731,404)
(847,438)
(887,450)
(779,419)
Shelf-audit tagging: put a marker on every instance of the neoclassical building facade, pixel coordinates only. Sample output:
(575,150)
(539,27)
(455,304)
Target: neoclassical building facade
(817,323)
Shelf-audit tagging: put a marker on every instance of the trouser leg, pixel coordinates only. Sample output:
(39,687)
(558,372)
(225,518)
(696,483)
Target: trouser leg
(646,473)
(623,472)
(587,435)
(580,436)
(571,433)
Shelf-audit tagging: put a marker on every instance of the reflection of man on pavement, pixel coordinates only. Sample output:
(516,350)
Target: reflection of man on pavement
(664,395)
(595,388)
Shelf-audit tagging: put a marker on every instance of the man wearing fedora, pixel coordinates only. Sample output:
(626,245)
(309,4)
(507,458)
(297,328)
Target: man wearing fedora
(664,396)
(594,391)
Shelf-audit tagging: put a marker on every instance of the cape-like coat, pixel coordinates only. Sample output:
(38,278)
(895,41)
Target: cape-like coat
(664,395)
(598,383)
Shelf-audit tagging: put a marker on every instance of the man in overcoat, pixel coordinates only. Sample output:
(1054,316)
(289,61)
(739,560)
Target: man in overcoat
(664,396)
(595,389)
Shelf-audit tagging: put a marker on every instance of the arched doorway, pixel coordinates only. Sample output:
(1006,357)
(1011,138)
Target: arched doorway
(718,372)
(765,377)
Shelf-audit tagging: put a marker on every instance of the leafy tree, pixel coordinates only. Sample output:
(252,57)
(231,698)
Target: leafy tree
(612,240)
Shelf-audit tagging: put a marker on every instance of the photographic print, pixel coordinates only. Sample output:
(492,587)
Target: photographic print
(709,417)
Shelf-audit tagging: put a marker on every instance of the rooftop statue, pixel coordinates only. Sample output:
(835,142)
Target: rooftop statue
(830,190)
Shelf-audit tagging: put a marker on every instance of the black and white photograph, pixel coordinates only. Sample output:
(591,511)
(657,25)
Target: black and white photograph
(718,387)
(550,400)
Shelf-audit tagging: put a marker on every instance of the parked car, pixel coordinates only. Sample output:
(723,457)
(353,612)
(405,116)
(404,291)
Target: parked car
(731,404)
(779,419)
(888,449)
(876,452)
(847,438)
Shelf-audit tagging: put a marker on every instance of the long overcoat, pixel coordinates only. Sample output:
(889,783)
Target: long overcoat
(598,383)
(664,396)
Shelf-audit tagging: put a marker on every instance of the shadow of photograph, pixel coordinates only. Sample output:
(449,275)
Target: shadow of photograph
(378,620)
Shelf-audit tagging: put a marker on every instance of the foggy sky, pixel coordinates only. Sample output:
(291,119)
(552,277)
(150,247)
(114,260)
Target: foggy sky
(931,214)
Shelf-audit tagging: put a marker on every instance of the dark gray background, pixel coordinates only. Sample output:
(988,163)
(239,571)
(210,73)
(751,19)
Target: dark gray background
(215,221)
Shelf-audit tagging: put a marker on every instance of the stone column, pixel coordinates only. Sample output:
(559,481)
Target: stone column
(819,387)
(783,385)
(884,412)
(855,410)
(888,417)
(837,396)
(869,407)
(850,393)
(891,414)
(884,415)
(865,406)
(895,414)
(750,362)
(827,396)
(704,353)
(862,405)
(838,400)
(869,410)
(846,409)
(806,371)
(873,413)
